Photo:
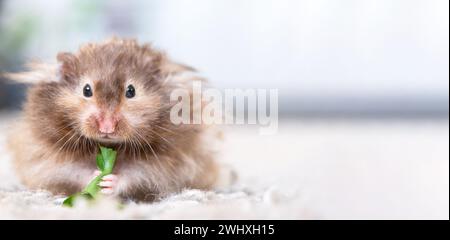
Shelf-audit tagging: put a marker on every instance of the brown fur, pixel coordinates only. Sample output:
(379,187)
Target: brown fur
(55,144)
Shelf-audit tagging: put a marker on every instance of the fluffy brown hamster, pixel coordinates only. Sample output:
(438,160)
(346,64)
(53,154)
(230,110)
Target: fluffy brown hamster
(116,94)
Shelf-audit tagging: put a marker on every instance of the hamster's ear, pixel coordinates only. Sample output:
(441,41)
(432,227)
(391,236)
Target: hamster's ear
(69,65)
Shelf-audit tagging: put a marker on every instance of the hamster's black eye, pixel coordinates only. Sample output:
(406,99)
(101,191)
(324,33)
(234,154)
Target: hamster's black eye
(131,92)
(87,91)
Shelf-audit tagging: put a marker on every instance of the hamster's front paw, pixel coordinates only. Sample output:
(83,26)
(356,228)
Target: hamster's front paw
(108,184)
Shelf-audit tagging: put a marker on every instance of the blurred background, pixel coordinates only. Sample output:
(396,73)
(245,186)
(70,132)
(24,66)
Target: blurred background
(345,57)
(363,86)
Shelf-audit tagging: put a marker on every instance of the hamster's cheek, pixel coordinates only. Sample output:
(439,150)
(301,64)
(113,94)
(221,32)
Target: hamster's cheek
(142,109)
(67,99)
(133,118)
(87,110)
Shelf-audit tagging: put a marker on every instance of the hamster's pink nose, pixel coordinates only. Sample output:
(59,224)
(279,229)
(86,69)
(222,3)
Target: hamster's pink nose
(106,125)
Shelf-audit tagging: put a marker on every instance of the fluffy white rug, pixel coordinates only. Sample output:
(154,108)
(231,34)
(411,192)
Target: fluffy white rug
(190,204)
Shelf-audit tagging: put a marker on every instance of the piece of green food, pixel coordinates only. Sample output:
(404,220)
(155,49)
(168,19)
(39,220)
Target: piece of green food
(105,163)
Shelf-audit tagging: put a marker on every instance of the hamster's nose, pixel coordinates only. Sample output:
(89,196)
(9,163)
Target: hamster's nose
(107,125)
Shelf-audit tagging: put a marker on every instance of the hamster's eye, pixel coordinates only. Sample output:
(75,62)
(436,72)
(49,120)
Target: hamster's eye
(87,90)
(131,92)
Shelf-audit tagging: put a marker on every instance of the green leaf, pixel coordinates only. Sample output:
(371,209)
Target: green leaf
(109,159)
(100,162)
(105,162)
(70,201)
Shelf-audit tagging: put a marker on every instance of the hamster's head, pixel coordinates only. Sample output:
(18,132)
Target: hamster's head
(106,93)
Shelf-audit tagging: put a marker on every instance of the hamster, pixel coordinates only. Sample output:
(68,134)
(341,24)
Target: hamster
(115,94)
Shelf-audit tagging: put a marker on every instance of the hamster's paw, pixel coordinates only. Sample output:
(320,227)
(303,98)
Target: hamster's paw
(108,184)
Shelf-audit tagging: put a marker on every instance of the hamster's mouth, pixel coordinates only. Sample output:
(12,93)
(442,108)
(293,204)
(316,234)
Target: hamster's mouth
(93,133)
(108,138)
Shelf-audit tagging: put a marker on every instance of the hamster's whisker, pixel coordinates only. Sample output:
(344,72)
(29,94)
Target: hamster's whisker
(148,144)
(166,129)
(133,147)
(49,153)
(75,143)
(67,127)
(66,135)
(163,138)
(68,140)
